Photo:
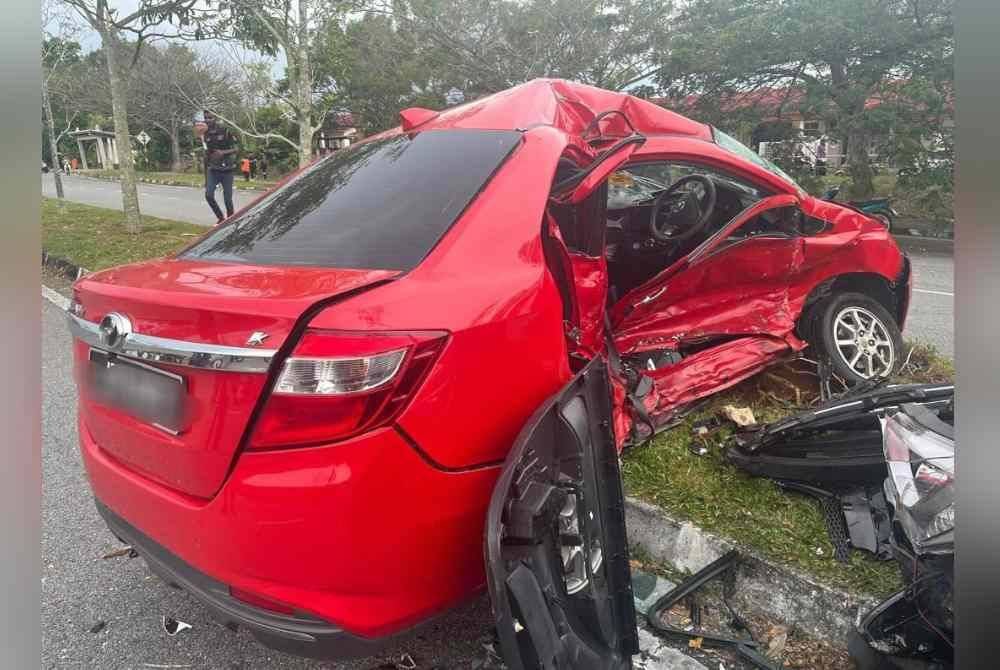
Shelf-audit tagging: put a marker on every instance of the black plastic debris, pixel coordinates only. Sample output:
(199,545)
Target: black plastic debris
(836,454)
(882,463)
(745,648)
(99,626)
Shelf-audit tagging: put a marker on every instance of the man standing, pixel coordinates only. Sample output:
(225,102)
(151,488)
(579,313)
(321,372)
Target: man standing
(220,161)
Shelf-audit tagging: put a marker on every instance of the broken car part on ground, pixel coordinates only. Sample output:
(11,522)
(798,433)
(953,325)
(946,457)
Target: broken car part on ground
(352,356)
(882,465)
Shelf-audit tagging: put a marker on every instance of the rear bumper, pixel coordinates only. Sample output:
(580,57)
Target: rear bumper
(300,635)
(364,533)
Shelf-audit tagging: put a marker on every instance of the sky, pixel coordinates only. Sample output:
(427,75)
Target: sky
(90,40)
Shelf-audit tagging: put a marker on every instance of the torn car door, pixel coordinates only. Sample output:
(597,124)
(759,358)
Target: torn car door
(726,286)
(556,552)
(710,320)
(573,237)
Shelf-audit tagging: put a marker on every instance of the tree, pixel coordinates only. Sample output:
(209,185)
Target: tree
(378,68)
(842,55)
(288,27)
(489,45)
(162,87)
(58,52)
(144,23)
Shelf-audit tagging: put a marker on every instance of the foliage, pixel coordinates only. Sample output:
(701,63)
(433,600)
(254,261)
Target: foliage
(839,57)
(401,53)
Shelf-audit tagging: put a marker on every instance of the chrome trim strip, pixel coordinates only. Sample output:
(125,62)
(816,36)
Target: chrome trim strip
(176,352)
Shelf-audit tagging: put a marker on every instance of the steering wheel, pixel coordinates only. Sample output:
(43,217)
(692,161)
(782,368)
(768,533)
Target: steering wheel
(682,209)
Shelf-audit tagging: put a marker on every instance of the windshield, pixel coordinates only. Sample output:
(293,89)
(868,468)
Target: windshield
(381,205)
(735,146)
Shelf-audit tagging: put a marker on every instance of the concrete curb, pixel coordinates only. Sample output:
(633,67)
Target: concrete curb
(166,182)
(762,587)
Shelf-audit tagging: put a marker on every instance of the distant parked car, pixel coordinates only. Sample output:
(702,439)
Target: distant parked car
(306,418)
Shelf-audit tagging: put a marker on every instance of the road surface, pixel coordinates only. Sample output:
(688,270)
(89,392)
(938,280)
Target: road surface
(181,203)
(931,312)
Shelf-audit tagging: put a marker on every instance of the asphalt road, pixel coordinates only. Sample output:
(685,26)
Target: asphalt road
(931,312)
(181,203)
(932,305)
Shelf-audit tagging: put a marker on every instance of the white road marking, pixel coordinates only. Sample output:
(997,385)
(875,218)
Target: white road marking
(56,298)
(924,290)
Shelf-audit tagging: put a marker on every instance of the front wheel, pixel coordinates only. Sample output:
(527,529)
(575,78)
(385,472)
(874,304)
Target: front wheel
(859,337)
(885,220)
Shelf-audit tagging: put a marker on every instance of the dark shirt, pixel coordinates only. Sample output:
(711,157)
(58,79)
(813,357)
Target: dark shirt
(220,138)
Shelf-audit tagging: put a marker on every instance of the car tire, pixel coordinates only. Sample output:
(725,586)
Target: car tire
(858,336)
(885,220)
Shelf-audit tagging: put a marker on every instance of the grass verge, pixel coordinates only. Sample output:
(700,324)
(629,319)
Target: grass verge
(95,237)
(184,179)
(785,527)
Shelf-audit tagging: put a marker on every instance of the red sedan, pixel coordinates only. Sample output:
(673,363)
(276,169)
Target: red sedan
(302,416)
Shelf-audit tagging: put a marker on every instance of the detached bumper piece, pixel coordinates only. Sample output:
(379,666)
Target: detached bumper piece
(299,633)
(835,454)
(881,463)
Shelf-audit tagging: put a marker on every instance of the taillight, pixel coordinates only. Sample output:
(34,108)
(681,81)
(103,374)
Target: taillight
(338,384)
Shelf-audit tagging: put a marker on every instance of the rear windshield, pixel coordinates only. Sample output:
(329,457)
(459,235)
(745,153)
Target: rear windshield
(381,205)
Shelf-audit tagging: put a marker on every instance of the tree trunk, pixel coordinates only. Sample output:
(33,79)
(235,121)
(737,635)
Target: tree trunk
(176,163)
(53,146)
(130,192)
(303,85)
(858,166)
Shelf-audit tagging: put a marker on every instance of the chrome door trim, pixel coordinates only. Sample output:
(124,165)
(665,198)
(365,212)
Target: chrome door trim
(176,352)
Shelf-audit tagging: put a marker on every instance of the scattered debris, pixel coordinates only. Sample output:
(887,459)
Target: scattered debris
(172,626)
(776,643)
(99,626)
(745,648)
(698,449)
(741,416)
(881,463)
(127,550)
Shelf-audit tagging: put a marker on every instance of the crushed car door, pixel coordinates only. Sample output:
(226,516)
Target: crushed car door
(716,316)
(556,552)
(573,237)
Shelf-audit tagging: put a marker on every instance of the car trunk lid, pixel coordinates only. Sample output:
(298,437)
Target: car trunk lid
(172,399)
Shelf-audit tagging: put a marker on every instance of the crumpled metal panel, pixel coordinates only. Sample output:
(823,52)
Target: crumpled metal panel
(708,372)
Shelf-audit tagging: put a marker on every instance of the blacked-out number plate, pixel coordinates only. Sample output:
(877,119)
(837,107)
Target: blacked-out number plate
(143,391)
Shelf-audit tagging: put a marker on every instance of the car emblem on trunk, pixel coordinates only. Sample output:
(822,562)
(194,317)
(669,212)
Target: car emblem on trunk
(256,338)
(114,328)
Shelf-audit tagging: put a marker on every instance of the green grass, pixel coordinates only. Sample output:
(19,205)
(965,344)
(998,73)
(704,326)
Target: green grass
(184,179)
(785,527)
(95,237)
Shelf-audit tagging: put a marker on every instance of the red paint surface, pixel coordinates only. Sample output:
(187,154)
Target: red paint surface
(378,532)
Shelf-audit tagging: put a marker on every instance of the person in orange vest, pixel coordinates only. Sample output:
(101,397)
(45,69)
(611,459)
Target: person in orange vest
(245,169)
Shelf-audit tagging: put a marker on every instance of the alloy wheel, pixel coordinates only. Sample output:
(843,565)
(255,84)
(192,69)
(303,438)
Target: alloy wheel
(863,343)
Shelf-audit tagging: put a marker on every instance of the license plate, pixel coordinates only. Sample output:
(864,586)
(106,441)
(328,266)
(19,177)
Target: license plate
(142,391)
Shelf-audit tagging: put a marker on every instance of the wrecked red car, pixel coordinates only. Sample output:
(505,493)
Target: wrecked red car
(301,417)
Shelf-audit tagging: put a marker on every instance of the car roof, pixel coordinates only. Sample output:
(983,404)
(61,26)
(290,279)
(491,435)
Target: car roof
(568,106)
